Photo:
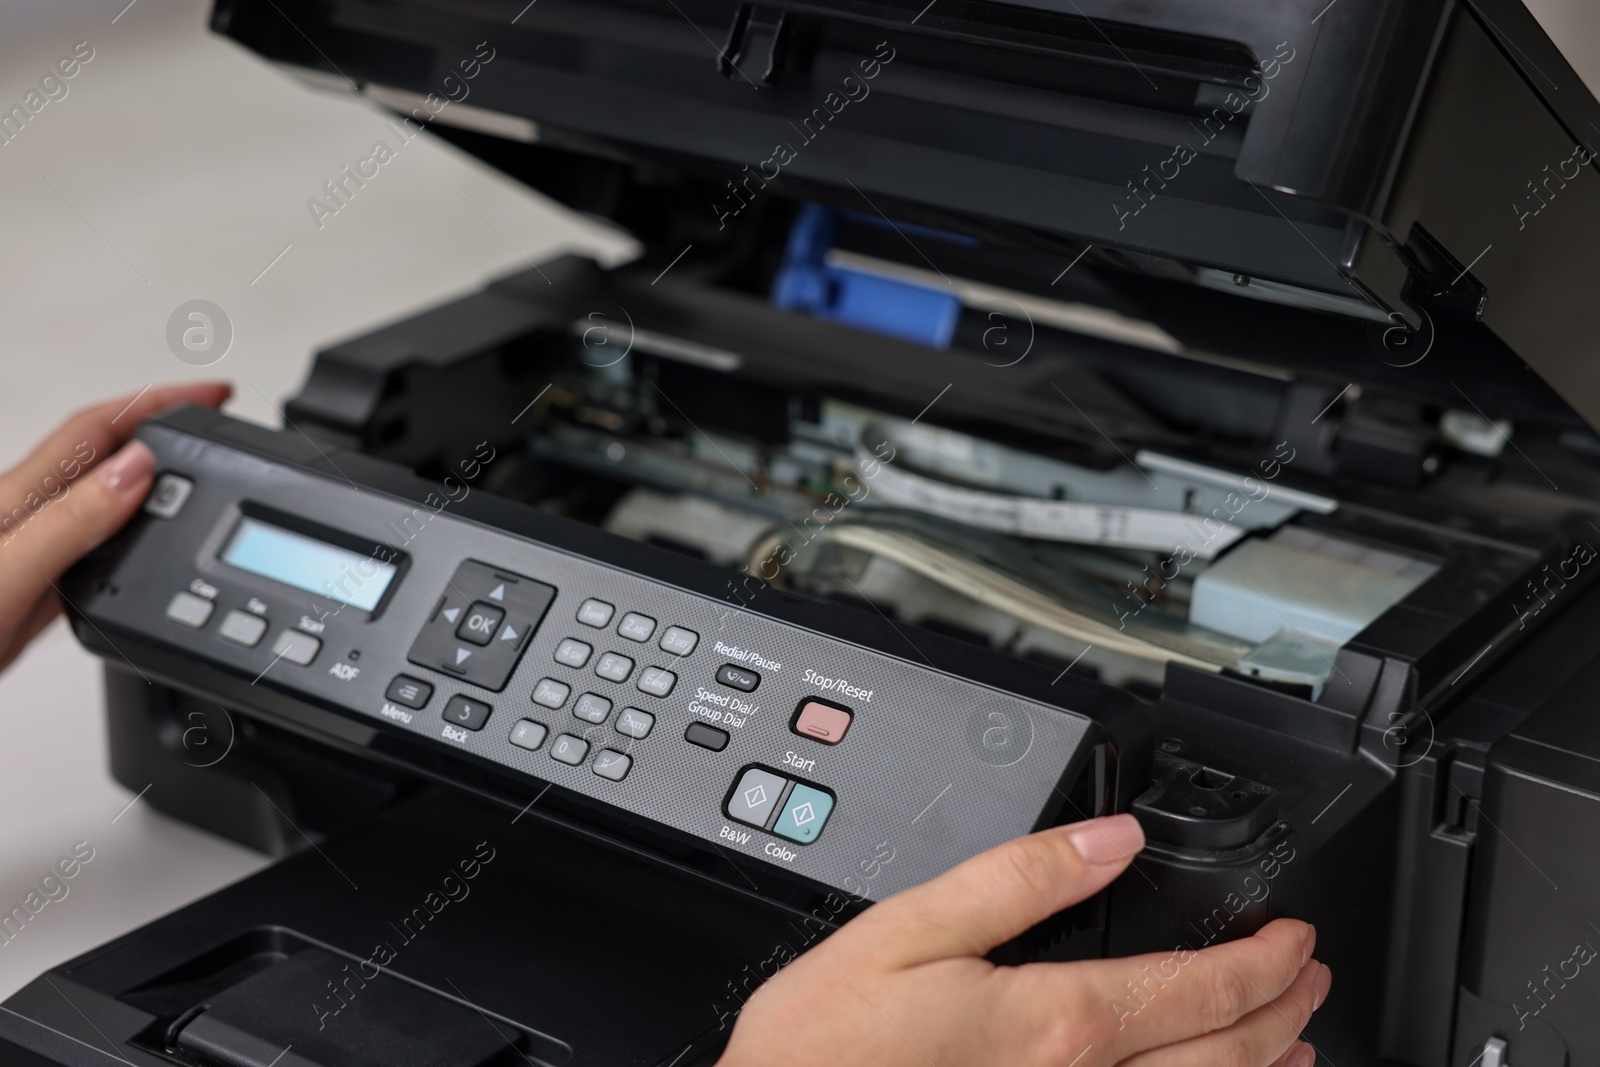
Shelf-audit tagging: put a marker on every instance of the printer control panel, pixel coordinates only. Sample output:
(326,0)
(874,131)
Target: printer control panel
(849,767)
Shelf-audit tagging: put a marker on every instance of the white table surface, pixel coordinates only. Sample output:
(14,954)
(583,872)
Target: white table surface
(178,167)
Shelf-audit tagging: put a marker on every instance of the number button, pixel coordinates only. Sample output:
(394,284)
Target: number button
(569,750)
(678,641)
(592,708)
(657,681)
(596,613)
(551,693)
(635,723)
(573,653)
(614,668)
(636,627)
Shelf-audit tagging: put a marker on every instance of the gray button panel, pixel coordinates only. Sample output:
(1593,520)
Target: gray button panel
(591,708)
(922,738)
(296,647)
(189,609)
(243,628)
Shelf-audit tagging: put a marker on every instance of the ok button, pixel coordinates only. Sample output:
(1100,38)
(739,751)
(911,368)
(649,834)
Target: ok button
(480,624)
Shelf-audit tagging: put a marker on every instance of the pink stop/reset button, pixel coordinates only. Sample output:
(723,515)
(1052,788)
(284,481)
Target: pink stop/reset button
(822,722)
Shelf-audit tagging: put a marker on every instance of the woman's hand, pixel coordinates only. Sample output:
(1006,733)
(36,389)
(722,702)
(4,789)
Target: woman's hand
(73,491)
(905,983)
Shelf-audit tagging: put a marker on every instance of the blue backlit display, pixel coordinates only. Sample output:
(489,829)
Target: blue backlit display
(352,578)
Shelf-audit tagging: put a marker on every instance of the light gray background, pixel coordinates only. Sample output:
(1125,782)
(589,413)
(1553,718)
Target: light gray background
(178,167)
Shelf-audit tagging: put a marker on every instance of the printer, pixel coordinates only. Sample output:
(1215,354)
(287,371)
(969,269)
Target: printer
(1018,411)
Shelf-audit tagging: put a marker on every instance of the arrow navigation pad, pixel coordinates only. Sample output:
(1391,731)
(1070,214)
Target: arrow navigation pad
(485,622)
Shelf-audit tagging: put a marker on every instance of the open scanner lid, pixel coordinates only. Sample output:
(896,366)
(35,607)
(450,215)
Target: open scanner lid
(1391,193)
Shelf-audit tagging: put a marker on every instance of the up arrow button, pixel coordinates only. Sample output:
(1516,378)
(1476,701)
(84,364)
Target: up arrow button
(499,592)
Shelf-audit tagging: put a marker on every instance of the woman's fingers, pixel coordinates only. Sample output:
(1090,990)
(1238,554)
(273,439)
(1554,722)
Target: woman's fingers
(52,510)
(1263,1037)
(84,440)
(85,514)
(998,894)
(1163,997)
(13,641)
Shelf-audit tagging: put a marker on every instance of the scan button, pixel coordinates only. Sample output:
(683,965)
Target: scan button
(296,647)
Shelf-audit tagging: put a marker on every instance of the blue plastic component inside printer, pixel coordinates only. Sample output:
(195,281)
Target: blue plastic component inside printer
(808,283)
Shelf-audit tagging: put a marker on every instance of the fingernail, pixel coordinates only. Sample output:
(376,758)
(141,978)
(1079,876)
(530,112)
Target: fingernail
(1321,984)
(1310,943)
(129,467)
(1302,1056)
(1113,839)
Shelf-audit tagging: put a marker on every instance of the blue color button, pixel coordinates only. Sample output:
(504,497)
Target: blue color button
(805,813)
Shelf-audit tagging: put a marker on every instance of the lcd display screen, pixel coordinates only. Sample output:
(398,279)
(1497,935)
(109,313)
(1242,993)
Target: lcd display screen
(353,578)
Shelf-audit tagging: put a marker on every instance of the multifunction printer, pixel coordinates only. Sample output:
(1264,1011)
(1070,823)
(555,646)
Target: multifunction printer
(1016,412)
